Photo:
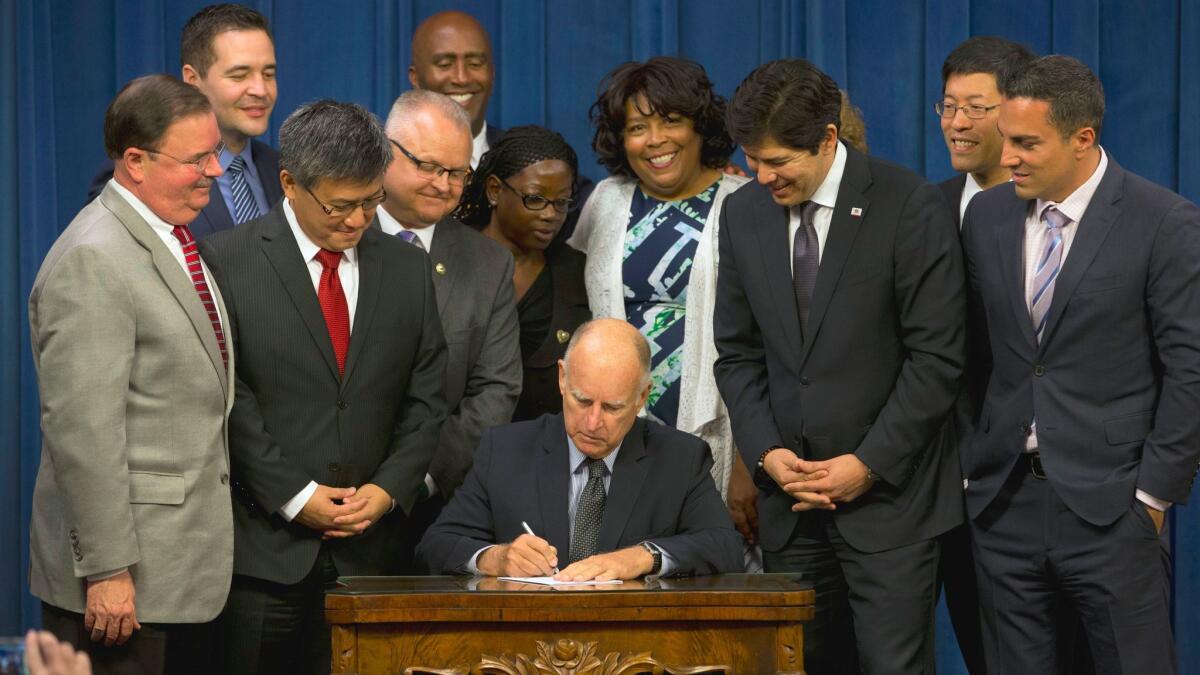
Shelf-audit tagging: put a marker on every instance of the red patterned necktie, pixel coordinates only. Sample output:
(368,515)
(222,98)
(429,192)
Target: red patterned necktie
(196,271)
(333,306)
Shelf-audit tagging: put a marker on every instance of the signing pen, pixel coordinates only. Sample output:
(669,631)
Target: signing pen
(529,531)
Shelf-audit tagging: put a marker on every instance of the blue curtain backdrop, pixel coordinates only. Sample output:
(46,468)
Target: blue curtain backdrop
(62,61)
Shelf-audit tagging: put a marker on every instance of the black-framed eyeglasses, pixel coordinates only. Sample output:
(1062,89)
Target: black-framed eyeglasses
(538,202)
(433,170)
(344,210)
(198,163)
(971,110)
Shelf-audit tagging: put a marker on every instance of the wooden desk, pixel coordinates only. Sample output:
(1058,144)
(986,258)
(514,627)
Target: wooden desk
(748,624)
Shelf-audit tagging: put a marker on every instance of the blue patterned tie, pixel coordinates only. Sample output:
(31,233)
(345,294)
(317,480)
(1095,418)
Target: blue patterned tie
(1048,266)
(411,237)
(589,514)
(244,206)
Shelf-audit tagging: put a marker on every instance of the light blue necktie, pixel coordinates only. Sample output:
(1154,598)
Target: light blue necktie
(1048,266)
(244,206)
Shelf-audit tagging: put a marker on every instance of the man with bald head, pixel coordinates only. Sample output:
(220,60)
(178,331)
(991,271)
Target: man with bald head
(608,494)
(472,277)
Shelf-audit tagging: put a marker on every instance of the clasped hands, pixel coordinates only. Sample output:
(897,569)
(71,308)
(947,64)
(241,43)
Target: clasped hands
(818,485)
(338,513)
(531,556)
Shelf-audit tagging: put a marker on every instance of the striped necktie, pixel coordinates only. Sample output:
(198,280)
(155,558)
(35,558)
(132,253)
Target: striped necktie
(1048,267)
(196,271)
(411,237)
(244,205)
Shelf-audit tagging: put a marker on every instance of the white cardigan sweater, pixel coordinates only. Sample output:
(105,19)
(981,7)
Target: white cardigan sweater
(600,234)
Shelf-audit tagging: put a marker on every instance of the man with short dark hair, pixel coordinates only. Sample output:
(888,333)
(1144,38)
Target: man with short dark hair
(472,278)
(1084,288)
(340,388)
(971,77)
(839,333)
(609,495)
(226,51)
(131,535)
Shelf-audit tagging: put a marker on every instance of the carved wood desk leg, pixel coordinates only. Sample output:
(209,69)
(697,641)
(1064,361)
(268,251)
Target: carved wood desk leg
(345,649)
(789,656)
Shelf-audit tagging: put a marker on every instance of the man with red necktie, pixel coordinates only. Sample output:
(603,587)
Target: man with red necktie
(340,394)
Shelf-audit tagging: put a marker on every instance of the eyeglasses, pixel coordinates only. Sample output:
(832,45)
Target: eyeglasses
(344,210)
(538,202)
(973,111)
(433,170)
(199,163)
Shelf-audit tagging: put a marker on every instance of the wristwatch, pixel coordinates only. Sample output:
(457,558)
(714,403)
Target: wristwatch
(656,566)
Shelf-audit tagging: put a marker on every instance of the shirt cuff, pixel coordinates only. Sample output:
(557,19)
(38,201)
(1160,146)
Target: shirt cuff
(105,575)
(292,508)
(472,566)
(430,485)
(1152,502)
(668,563)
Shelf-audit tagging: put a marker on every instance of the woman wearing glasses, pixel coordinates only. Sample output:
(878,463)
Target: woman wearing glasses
(649,232)
(519,195)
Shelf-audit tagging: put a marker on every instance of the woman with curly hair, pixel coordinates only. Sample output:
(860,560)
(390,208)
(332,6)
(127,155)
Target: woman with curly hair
(650,235)
(520,195)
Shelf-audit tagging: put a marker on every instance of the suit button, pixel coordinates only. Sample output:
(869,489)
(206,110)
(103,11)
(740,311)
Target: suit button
(1039,370)
(78,558)
(334,467)
(1025,428)
(342,405)
(224,479)
(804,382)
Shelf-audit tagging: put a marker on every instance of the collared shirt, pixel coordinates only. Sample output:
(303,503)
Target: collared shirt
(825,198)
(479,145)
(970,188)
(225,181)
(348,274)
(392,227)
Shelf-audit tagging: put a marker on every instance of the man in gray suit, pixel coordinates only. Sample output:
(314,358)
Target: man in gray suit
(131,536)
(472,276)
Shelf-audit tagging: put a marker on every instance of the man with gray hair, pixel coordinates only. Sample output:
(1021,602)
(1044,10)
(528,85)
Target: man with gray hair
(339,390)
(472,278)
(638,495)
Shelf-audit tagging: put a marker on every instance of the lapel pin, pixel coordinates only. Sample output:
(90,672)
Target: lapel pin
(856,212)
(562,336)
(439,268)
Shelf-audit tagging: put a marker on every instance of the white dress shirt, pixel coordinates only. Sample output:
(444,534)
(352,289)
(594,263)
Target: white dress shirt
(479,145)
(970,189)
(825,197)
(348,274)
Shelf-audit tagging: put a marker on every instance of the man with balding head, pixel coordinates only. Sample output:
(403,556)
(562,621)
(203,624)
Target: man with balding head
(608,494)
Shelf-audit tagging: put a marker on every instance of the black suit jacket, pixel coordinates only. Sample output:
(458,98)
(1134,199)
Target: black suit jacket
(879,370)
(660,491)
(1116,377)
(215,217)
(294,420)
(539,389)
(952,188)
(473,282)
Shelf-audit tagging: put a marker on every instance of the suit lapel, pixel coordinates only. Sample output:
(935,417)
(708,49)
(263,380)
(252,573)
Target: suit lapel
(441,254)
(279,245)
(217,212)
(843,229)
(370,273)
(628,474)
(553,473)
(771,226)
(1092,230)
(267,163)
(173,275)
(1010,241)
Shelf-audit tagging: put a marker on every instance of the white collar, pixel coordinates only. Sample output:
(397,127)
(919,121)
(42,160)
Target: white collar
(309,250)
(1077,202)
(826,194)
(392,227)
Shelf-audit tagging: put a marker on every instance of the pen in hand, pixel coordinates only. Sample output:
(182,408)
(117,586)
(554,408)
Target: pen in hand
(529,531)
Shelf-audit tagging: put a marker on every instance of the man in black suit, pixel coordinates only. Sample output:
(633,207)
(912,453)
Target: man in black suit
(342,368)
(472,278)
(1085,302)
(228,54)
(971,77)
(839,331)
(610,496)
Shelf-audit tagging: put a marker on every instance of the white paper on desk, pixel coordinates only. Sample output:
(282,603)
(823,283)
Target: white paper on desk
(551,581)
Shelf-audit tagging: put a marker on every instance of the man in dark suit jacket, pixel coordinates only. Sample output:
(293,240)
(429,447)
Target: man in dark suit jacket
(638,496)
(472,277)
(339,395)
(839,365)
(228,54)
(1085,300)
